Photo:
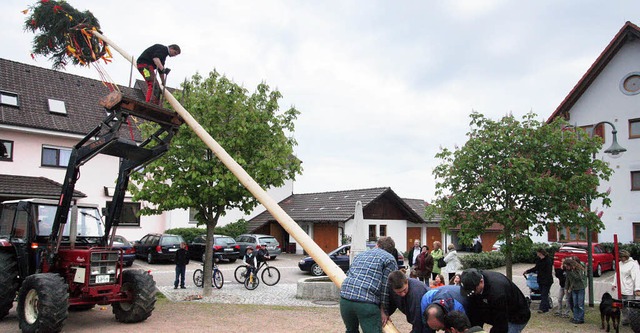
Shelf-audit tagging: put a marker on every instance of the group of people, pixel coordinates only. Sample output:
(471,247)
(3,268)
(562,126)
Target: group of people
(424,264)
(374,289)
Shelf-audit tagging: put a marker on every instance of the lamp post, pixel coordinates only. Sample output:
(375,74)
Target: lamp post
(614,151)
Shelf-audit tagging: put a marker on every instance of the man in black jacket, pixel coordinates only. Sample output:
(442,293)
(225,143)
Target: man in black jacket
(494,299)
(543,267)
(182,260)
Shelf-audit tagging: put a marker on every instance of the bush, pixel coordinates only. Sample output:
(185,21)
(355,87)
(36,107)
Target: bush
(523,252)
(188,234)
(483,260)
(633,248)
(234,229)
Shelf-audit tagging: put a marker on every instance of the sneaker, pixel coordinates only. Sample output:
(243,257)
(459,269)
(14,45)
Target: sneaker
(183,287)
(543,311)
(557,314)
(176,287)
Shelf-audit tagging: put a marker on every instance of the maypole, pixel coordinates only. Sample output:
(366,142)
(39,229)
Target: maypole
(322,259)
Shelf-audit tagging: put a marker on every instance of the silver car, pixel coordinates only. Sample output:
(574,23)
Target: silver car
(272,244)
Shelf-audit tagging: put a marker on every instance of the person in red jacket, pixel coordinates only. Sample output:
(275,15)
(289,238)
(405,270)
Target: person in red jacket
(153,58)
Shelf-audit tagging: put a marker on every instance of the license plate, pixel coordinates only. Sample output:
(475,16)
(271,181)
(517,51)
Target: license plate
(271,247)
(102,278)
(173,250)
(228,250)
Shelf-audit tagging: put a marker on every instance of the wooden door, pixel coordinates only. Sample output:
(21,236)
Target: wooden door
(413,233)
(326,236)
(433,234)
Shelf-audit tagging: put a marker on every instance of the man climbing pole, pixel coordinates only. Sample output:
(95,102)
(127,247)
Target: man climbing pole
(152,58)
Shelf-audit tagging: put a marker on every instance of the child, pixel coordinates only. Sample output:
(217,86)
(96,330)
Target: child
(250,260)
(576,283)
(438,282)
(182,260)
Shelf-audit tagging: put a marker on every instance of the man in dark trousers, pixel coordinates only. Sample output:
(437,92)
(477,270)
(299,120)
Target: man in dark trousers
(405,295)
(543,267)
(182,260)
(364,291)
(153,58)
(494,299)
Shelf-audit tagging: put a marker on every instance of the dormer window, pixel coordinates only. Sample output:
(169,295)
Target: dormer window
(57,106)
(7,98)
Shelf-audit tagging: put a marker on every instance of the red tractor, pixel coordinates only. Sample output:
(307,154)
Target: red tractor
(58,255)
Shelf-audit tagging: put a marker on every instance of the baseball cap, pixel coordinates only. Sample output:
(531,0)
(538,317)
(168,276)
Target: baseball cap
(469,280)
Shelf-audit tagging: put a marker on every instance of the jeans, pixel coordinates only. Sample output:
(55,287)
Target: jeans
(515,328)
(544,294)
(180,272)
(578,305)
(563,310)
(365,315)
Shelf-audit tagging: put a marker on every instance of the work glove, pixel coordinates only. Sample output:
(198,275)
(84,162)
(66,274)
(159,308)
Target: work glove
(165,70)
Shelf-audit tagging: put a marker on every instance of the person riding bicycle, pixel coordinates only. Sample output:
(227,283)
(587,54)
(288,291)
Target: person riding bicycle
(250,260)
(263,255)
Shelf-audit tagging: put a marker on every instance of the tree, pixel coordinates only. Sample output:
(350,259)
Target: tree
(522,175)
(251,128)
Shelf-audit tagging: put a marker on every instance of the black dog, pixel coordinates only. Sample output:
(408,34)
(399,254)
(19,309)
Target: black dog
(609,312)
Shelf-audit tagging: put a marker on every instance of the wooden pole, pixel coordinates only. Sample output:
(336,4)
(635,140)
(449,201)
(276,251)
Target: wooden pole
(322,259)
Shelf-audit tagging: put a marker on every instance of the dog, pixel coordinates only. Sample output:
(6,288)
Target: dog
(609,312)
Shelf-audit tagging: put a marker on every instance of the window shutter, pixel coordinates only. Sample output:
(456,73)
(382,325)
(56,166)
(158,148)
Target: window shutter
(552,233)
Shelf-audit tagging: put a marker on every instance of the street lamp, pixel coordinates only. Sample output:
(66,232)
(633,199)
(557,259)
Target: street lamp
(614,151)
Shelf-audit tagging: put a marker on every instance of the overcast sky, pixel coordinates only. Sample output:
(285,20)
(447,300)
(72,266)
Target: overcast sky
(381,85)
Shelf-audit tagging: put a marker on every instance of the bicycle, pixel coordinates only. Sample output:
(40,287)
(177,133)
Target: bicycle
(270,275)
(217,279)
(251,282)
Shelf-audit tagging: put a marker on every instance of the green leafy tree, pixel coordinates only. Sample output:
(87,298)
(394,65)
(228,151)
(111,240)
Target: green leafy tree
(251,128)
(521,175)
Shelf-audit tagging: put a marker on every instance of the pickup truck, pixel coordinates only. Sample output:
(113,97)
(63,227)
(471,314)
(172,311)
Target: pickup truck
(602,260)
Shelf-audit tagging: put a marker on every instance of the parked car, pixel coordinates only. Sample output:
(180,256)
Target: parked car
(119,242)
(224,248)
(158,247)
(272,244)
(602,260)
(340,256)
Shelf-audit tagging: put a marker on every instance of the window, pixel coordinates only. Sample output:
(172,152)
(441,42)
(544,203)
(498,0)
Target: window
(635,180)
(383,230)
(7,98)
(57,106)
(373,233)
(634,128)
(636,232)
(6,150)
(53,156)
(597,131)
(129,216)
(567,235)
(192,216)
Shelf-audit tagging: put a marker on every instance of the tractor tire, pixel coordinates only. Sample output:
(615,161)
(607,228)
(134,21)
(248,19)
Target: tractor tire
(141,286)
(8,282)
(43,303)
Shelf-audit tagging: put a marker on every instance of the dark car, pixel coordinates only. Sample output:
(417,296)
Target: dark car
(224,248)
(340,256)
(272,244)
(122,243)
(158,247)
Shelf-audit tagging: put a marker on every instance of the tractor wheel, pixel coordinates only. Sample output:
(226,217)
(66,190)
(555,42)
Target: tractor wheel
(142,289)
(8,282)
(43,303)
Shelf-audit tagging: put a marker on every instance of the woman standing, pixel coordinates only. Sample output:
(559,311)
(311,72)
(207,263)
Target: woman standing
(629,281)
(436,253)
(424,264)
(453,262)
(576,283)
(543,268)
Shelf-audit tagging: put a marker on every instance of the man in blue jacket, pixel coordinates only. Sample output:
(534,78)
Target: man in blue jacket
(436,303)
(405,295)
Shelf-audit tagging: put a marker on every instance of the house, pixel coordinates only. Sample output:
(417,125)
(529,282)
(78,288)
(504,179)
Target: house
(43,114)
(328,218)
(610,91)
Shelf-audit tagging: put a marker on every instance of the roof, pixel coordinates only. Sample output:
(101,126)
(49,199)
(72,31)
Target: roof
(628,32)
(336,206)
(32,187)
(35,85)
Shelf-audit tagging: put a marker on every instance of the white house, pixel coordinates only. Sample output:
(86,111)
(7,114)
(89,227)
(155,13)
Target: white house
(610,91)
(43,114)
